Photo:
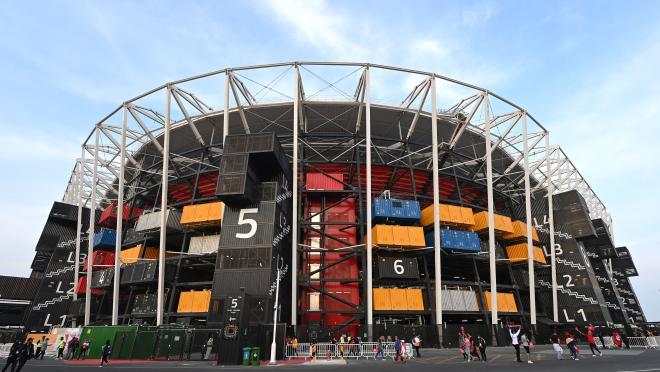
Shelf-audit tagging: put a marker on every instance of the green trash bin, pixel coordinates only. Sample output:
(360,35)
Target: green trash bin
(247,355)
(255,356)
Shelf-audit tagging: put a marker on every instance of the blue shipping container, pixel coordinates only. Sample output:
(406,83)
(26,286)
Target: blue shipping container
(456,241)
(403,212)
(105,238)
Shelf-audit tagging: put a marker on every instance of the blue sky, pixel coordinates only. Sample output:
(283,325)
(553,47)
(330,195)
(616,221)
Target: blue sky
(587,70)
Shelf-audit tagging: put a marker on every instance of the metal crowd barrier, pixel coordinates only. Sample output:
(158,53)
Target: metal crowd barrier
(634,342)
(4,350)
(327,350)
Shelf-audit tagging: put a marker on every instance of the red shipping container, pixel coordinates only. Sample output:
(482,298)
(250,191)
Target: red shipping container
(82,286)
(347,292)
(322,181)
(109,216)
(336,320)
(347,269)
(101,260)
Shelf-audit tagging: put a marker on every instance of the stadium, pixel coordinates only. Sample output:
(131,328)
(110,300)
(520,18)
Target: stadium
(324,199)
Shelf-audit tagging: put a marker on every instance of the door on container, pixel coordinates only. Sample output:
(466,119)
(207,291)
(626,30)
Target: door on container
(123,345)
(143,349)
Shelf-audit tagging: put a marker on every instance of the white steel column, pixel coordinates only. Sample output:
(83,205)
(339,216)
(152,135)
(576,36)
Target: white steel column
(436,210)
(491,213)
(225,116)
(80,185)
(294,211)
(163,209)
(551,228)
(528,210)
(367,98)
(120,218)
(90,235)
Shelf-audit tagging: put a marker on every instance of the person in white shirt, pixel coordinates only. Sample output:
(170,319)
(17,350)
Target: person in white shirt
(526,343)
(514,340)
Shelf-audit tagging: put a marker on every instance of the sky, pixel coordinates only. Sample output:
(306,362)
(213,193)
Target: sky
(587,70)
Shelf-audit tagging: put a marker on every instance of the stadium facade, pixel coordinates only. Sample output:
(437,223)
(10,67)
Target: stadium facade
(387,200)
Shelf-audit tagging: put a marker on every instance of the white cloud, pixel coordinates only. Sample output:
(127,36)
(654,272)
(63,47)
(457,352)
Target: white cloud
(479,13)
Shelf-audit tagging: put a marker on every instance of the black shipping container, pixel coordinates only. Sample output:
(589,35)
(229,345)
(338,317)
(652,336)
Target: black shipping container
(103,278)
(244,258)
(236,188)
(398,268)
(150,271)
(127,274)
(267,150)
(235,144)
(262,212)
(132,238)
(256,282)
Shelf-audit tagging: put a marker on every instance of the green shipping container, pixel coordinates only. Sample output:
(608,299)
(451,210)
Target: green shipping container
(129,338)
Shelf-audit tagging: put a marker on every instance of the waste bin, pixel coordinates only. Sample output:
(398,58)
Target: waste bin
(246,356)
(255,357)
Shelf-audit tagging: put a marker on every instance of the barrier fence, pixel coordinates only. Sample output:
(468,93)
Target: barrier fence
(633,342)
(327,350)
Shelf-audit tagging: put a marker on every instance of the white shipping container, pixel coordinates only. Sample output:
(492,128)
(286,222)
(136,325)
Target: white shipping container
(204,244)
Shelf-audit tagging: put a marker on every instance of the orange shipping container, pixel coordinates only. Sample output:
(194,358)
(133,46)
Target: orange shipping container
(201,301)
(401,237)
(383,235)
(416,237)
(398,299)
(415,299)
(185,302)
(449,215)
(518,253)
(502,223)
(520,232)
(382,300)
(467,216)
(505,302)
(207,214)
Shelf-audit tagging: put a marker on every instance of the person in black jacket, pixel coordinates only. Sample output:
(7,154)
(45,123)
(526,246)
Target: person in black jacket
(12,358)
(481,344)
(26,353)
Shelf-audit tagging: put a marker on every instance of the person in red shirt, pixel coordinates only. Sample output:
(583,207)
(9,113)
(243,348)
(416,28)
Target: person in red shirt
(591,340)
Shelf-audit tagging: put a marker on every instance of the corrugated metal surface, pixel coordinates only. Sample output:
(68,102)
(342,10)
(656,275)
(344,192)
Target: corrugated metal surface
(236,188)
(255,281)
(395,210)
(103,278)
(398,268)
(16,288)
(321,181)
(456,241)
(204,244)
(150,222)
(105,238)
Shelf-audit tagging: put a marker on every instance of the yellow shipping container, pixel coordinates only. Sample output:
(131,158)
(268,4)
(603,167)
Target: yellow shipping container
(449,215)
(130,255)
(415,299)
(398,299)
(401,236)
(382,235)
(201,301)
(502,223)
(381,297)
(416,237)
(518,253)
(506,303)
(185,302)
(520,232)
(207,214)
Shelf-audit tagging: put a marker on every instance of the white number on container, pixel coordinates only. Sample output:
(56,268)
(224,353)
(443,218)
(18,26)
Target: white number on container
(581,312)
(234,303)
(242,221)
(398,268)
(569,281)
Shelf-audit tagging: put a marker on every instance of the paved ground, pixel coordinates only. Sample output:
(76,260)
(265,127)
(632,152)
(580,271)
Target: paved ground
(500,359)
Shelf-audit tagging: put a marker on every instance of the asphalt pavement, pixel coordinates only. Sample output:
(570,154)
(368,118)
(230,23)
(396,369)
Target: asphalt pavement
(499,359)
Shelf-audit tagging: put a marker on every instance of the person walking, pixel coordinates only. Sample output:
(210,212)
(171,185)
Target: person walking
(572,347)
(602,338)
(105,352)
(83,349)
(72,347)
(397,349)
(380,349)
(12,358)
(556,346)
(591,340)
(527,344)
(38,350)
(44,348)
(481,344)
(515,342)
(60,348)
(25,354)
(417,343)
(616,339)
(294,342)
(463,339)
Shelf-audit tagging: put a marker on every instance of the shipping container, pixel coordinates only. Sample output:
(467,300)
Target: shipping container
(105,238)
(506,302)
(381,299)
(414,299)
(108,217)
(502,226)
(81,287)
(520,232)
(322,181)
(383,236)
(137,253)
(204,244)
(456,241)
(101,260)
(149,222)
(517,253)
(405,212)
(132,238)
(397,267)
(202,215)
(347,292)
(450,215)
(103,278)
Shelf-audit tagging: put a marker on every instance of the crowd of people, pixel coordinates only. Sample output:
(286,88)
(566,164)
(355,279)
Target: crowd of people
(21,352)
